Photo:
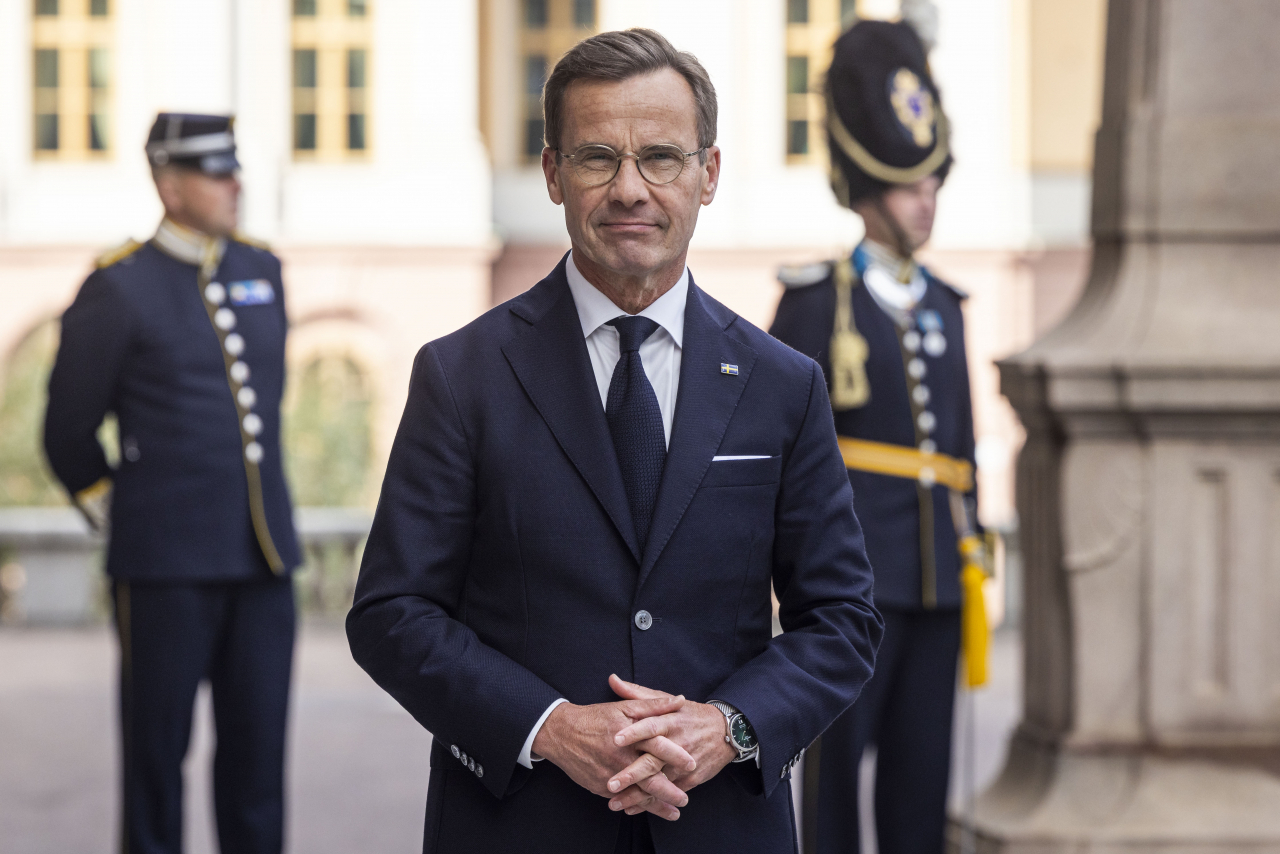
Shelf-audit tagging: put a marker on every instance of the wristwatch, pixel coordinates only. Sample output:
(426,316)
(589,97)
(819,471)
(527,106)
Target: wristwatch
(738,732)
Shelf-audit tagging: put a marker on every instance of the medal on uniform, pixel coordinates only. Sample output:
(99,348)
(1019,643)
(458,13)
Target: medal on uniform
(850,388)
(935,343)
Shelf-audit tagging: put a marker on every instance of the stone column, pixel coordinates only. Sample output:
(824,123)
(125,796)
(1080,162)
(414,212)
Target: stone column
(1149,486)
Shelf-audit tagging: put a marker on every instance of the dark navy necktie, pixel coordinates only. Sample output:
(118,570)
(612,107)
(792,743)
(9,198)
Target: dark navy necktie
(635,421)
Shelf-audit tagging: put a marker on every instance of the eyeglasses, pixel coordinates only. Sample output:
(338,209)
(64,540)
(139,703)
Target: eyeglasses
(596,165)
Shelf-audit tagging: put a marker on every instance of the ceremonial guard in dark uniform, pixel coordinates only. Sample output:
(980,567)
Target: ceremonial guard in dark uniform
(183,338)
(890,338)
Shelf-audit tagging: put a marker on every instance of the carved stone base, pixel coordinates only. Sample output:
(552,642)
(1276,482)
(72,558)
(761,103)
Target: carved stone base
(1050,800)
(1149,486)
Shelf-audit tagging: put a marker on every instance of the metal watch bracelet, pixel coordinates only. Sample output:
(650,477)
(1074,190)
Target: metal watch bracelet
(730,713)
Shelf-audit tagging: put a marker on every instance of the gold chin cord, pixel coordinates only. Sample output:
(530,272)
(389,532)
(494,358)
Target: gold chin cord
(907,267)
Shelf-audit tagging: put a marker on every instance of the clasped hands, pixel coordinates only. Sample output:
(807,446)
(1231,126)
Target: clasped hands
(643,752)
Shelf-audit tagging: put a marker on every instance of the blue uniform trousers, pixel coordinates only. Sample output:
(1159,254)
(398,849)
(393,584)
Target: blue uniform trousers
(905,711)
(239,636)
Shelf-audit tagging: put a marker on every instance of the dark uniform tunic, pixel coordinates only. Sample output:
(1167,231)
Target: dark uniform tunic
(905,710)
(139,342)
(201,531)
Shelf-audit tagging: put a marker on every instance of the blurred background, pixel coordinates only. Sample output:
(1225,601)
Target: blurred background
(390,152)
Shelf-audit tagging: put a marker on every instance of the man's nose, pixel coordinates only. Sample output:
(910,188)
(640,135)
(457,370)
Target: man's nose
(629,187)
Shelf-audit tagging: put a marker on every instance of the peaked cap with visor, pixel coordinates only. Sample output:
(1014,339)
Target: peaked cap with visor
(193,141)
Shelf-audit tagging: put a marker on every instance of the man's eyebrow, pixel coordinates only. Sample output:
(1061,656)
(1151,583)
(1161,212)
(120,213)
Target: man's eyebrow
(617,149)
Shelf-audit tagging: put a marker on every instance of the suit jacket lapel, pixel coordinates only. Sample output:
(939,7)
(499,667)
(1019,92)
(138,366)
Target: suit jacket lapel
(705,403)
(551,362)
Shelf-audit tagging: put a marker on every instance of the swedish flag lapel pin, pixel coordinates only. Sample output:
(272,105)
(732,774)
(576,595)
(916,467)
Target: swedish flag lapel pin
(726,368)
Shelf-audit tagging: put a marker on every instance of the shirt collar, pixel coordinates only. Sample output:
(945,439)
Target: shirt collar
(595,309)
(186,244)
(878,253)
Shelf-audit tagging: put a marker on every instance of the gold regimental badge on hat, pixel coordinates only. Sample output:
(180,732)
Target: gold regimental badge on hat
(913,105)
(849,386)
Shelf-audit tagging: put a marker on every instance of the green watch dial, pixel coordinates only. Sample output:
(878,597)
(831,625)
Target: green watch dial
(743,735)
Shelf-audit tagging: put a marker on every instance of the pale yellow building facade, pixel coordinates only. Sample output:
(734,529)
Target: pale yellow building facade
(390,148)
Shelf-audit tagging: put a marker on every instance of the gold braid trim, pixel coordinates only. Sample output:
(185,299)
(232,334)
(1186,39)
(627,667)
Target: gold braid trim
(253,475)
(124,626)
(879,170)
(849,385)
(118,254)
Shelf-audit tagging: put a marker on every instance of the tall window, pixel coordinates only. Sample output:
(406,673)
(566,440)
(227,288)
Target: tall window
(548,28)
(71,79)
(331,69)
(812,28)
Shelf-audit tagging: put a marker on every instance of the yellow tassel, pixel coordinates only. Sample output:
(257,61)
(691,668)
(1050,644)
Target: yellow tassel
(849,386)
(975,634)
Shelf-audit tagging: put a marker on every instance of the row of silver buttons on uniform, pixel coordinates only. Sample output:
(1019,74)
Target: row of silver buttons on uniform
(468,762)
(934,344)
(225,319)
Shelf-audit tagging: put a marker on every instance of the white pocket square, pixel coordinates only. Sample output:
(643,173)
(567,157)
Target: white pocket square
(730,458)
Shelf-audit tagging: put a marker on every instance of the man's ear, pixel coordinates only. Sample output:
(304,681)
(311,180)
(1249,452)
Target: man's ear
(713,174)
(551,171)
(167,188)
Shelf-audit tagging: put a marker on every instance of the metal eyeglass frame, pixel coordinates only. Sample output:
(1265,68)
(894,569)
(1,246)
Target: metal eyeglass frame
(619,157)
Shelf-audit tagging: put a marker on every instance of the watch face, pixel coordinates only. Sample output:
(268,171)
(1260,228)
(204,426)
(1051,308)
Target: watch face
(743,735)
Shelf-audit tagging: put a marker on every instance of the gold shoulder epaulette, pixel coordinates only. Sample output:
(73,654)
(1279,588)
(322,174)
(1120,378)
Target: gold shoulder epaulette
(118,254)
(241,237)
(803,275)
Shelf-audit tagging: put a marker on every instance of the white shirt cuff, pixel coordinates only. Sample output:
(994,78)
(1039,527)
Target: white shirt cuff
(526,753)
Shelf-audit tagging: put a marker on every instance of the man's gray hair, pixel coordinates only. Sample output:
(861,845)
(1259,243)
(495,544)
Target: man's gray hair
(620,55)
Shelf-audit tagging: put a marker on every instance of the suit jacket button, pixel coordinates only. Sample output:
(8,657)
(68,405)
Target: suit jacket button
(644,620)
(471,764)
(456,752)
(463,757)
(479,770)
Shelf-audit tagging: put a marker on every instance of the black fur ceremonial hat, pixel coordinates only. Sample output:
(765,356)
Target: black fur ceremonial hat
(885,124)
(206,143)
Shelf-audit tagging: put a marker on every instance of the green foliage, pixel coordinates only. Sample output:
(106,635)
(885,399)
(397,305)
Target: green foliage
(327,434)
(327,430)
(25,479)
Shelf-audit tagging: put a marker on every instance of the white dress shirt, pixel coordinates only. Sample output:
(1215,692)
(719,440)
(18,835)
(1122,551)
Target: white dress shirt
(660,355)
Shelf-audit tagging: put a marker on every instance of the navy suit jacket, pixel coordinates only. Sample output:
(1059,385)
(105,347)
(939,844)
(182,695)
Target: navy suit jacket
(137,341)
(889,506)
(502,572)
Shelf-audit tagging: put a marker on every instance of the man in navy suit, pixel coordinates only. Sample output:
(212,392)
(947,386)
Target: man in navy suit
(601,481)
(182,338)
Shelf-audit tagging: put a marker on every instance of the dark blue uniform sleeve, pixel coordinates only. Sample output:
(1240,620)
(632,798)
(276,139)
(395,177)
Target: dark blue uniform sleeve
(804,321)
(406,628)
(96,330)
(811,673)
